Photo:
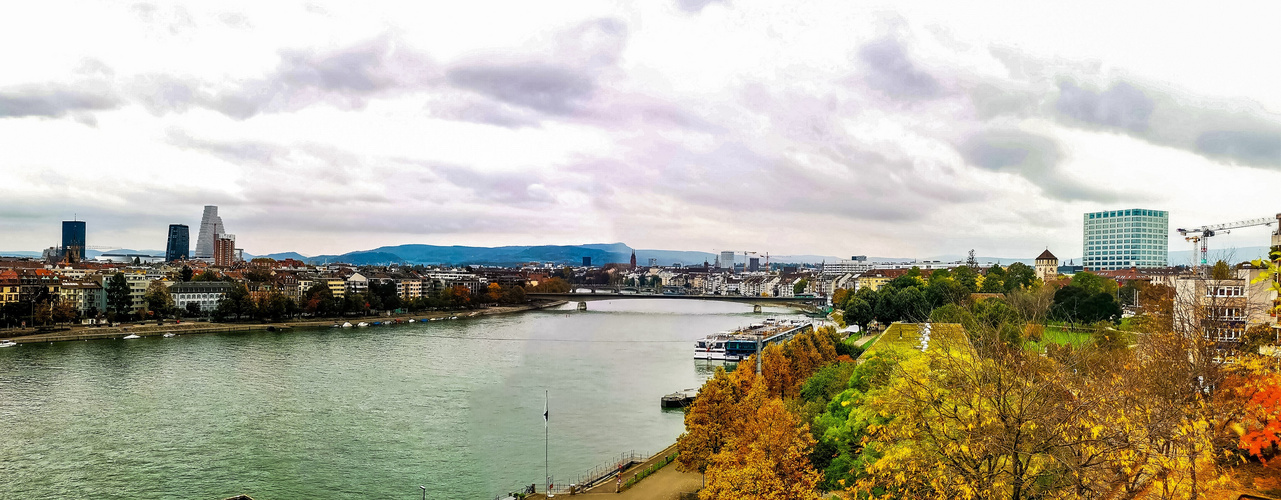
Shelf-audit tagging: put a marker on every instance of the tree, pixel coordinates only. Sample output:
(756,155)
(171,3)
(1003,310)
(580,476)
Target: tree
(708,422)
(858,312)
(768,458)
(1221,271)
(65,312)
(967,277)
(159,300)
(994,280)
(1019,276)
(839,297)
(186,274)
(206,275)
(800,286)
(43,313)
(118,299)
(193,309)
(1077,304)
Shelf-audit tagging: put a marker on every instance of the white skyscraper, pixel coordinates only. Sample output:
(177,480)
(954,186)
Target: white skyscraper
(727,260)
(210,227)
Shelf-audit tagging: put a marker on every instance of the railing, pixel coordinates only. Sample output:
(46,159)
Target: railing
(594,476)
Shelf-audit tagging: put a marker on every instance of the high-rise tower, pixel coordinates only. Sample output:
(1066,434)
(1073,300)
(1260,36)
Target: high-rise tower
(210,228)
(1121,239)
(179,245)
(73,240)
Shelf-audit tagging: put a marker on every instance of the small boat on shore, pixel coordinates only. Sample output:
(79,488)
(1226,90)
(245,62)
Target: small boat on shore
(346,325)
(411,320)
(362,324)
(170,335)
(7,343)
(132,336)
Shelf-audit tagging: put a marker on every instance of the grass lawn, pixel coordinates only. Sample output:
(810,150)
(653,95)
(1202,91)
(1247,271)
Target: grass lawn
(1055,335)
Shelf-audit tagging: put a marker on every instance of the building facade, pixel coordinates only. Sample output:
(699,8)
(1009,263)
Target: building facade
(1119,239)
(179,244)
(204,294)
(73,240)
(727,260)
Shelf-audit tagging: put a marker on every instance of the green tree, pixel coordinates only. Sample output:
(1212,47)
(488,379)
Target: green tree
(159,300)
(1019,276)
(206,275)
(186,274)
(800,286)
(118,299)
(858,312)
(994,280)
(193,309)
(1221,271)
(968,278)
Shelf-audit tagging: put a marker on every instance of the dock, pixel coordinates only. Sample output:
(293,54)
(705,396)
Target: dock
(679,399)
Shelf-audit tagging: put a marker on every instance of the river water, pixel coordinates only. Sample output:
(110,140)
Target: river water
(455,406)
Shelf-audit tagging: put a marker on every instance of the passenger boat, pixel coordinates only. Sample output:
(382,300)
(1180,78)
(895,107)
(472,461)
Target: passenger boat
(712,347)
(131,336)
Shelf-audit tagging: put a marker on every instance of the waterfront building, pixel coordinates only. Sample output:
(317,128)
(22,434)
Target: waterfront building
(1118,239)
(73,240)
(210,228)
(205,294)
(1047,266)
(9,286)
(179,243)
(87,296)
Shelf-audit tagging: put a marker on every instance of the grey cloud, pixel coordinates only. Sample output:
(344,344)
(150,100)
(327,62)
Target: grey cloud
(892,72)
(1033,157)
(543,87)
(232,151)
(54,101)
(1122,106)
(1251,147)
(694,6)
(347,78)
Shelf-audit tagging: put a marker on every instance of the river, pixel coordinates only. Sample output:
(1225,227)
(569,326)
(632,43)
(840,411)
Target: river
(456,406)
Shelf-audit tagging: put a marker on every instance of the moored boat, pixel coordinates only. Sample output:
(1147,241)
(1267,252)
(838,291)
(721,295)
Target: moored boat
(132,336)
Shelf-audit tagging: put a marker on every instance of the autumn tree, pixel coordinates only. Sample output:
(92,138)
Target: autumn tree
(766,458)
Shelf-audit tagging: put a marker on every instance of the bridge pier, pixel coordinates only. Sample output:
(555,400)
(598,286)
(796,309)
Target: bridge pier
(756,308)
(582,306)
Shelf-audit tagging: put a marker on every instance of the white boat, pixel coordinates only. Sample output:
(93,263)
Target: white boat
(7,343)
(346,325)
(170,335)
(712,347)
(362,324)
(411,320)
(132,336)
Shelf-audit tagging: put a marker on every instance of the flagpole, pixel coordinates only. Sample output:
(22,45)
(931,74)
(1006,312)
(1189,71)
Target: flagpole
(547,475)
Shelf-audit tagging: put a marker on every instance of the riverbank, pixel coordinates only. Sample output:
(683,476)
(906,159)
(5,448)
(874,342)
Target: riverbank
(190,328)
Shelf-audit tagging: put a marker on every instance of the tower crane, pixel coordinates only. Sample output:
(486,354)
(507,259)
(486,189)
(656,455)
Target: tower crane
(1202,233)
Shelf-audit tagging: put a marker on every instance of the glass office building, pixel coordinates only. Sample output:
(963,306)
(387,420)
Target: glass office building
(73,240)
(1121,239)
(179,245)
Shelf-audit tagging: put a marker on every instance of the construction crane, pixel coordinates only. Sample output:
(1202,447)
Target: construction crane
(1201,234)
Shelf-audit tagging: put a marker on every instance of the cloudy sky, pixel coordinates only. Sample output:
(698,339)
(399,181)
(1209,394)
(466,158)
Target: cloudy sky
(790,127)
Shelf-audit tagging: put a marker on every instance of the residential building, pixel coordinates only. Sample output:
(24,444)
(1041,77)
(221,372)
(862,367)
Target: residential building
(9,286)
(844,266)
(1223,309)
(224,254)
(179,244)
(73,240)
(1047,266)
(210,228)
(1118,239)
(87,296)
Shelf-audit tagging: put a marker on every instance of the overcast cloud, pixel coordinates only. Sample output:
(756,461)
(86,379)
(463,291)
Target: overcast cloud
(822,128)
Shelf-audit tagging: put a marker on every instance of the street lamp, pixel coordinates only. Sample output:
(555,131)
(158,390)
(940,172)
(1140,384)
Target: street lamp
(424,488)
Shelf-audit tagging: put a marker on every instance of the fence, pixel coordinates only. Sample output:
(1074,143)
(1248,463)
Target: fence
(597,474)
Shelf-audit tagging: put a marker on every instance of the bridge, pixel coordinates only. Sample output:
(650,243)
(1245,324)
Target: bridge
(583,297)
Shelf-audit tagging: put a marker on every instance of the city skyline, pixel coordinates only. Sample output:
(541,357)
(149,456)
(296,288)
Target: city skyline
(871,129)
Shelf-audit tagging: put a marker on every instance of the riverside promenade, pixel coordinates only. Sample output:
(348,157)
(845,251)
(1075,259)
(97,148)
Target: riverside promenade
(666,484)
(150,329)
